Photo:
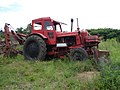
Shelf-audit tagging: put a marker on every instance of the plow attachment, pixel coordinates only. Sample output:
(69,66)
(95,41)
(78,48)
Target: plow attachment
(8,50)
(8,46)
(100,55)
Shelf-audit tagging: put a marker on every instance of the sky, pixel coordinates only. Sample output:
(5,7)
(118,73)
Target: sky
(91,13)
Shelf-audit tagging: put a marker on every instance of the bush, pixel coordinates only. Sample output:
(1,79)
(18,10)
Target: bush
(110,77)
(106,33)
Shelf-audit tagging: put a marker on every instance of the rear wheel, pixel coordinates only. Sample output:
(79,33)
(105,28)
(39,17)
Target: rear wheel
(78,54)
(34,48)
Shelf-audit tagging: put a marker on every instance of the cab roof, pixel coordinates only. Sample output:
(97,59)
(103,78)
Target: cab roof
(48,18)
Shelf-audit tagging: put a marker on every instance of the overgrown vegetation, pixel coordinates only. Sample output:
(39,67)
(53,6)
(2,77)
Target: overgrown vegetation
(58,74)
(62,74)
(109,73)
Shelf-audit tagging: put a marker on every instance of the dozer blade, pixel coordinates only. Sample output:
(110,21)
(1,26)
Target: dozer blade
(100,55)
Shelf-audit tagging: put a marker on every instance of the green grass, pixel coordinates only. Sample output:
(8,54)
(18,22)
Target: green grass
(109,73)
(113,47)
(61,74)
(55,74)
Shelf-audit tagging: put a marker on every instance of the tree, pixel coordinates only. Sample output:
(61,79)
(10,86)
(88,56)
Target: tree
(27,30)
(20,30)
(1,34)
(106,33)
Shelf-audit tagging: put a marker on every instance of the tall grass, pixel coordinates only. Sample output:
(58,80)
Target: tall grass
(61,74)
(109,78)
(114,47)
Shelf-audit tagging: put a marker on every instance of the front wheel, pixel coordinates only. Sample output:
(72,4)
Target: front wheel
(78,54)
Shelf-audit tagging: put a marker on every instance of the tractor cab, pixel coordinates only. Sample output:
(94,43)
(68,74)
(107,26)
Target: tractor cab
(47,28)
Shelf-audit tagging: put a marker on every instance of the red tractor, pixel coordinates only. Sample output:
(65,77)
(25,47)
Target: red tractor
(46,41)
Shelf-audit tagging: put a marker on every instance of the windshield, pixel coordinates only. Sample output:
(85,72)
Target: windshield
(48,25)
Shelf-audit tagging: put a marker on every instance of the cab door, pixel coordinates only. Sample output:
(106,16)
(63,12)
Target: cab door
(50,32)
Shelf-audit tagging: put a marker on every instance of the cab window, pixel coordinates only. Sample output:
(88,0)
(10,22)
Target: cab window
(48,25)
(37,26)
(57,27)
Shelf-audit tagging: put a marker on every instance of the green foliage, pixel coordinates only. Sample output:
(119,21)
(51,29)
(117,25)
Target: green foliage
(1,34)
(18,73)
(20,30)
(114,47)
(109,78)
(110,74)
(27,30)
(106,33)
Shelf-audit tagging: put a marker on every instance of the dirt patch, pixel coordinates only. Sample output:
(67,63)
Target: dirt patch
(87,76)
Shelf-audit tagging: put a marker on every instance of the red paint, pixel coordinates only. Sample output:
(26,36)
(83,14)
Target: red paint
(74,39)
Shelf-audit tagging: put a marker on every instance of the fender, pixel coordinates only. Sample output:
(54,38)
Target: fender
(38,34)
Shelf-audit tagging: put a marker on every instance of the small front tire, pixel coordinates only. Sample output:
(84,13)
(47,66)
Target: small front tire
(78,54)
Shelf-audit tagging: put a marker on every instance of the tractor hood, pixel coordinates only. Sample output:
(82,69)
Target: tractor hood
(64,34)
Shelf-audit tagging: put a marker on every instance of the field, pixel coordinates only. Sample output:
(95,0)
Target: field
(62,74)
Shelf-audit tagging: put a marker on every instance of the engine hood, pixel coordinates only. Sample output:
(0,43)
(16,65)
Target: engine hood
(64,34)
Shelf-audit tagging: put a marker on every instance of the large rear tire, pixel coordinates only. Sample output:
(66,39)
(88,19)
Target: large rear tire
(78,54)
(34,48)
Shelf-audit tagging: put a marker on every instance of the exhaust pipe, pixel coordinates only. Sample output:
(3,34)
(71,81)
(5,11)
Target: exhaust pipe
(71,24)
(78,25)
